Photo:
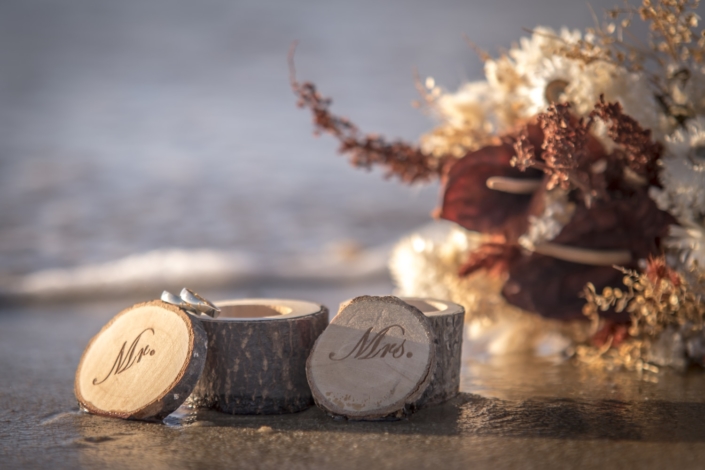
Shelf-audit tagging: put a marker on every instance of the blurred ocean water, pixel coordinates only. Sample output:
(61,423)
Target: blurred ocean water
(147,140)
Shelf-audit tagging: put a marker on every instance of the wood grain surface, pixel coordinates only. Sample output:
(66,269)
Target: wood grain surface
(143,364)
(374,360)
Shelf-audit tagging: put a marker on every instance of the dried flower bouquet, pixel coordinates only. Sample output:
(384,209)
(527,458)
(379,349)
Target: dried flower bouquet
(575,173)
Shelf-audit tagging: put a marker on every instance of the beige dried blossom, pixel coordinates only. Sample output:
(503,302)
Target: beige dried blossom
(671,63)
(688,242)
(469,118)
(665,310)
(545,68)
(683,174)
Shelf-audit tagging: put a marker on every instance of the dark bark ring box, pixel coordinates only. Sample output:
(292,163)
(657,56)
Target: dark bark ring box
(257,351)
(447,320)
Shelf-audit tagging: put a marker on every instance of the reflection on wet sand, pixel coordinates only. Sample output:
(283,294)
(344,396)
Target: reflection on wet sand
(548,405)
(521,377)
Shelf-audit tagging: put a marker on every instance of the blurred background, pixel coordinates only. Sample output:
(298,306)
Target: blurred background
(153,142)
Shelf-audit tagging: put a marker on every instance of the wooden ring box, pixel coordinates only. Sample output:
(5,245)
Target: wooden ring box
(257,351)
(385,357)
(152,356)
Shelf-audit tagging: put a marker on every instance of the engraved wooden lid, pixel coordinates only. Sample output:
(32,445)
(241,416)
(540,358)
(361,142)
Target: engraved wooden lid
(376,357)
(143,364)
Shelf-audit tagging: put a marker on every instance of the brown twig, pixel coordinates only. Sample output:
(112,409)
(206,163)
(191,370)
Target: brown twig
(481,53)
(400,159)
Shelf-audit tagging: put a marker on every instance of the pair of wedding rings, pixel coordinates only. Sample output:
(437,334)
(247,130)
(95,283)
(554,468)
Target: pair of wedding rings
(191,302)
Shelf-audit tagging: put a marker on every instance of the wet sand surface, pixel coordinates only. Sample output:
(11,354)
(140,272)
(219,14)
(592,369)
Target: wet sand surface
(513,412)
(119,117)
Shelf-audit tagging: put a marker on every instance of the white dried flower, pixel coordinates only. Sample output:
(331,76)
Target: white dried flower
(631,90)
(687,89)
(530,77)
(544,74)
(688,241)
(470,106)
(683,175)
(548,76)
(470,118)
(424,265)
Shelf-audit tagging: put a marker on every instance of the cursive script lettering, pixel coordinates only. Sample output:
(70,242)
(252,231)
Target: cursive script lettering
(127,359)
(367,348)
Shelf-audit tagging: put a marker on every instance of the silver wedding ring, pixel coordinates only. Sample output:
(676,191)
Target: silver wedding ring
(191,302)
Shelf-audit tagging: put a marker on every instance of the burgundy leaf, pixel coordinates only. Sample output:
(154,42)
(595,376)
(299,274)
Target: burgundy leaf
(551,287)
(635,224)
(494,257)
(469,202)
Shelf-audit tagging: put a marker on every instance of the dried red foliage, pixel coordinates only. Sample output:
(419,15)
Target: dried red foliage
(470,203)
(657,270)
(574,159)
(564,147)
(567,150)
(637,150)
(551,287)
(400,159)
(611,331)
(493,257)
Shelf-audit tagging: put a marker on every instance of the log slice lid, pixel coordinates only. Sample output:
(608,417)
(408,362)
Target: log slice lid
(143,364)
(376,357)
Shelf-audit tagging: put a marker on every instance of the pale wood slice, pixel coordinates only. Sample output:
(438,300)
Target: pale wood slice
(257,351)
(143,364)
(447,319)
(374,360)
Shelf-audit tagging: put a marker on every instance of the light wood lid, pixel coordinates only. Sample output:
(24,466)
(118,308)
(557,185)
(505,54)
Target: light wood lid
(375,357)
(143,364)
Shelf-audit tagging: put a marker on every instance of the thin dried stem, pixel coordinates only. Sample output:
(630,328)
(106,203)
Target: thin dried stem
(481,53)
(584,255)
(400,159)
(514,185)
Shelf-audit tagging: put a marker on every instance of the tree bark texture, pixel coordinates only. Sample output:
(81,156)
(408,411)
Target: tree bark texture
(258,366)
(448,327)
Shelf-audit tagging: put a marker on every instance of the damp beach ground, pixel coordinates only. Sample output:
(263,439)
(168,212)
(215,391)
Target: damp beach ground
(151,144)
(513,412)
